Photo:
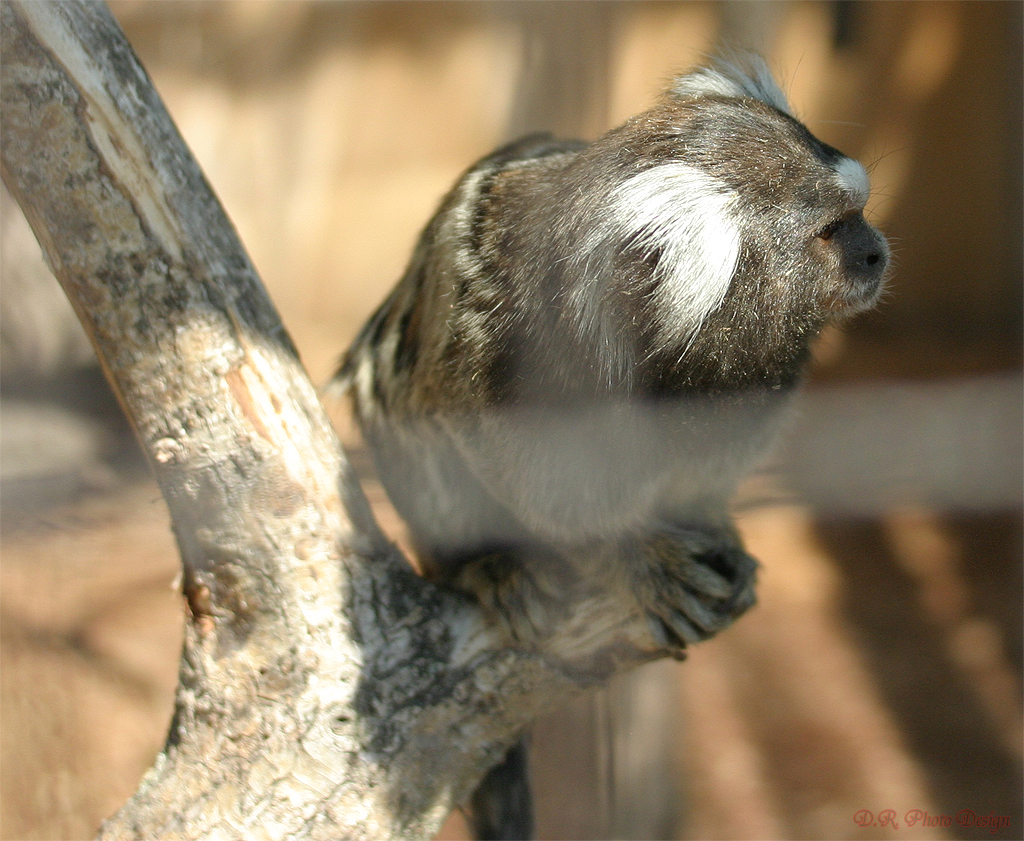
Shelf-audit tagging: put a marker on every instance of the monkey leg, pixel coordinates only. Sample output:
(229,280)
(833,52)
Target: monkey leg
(526,588)
(693,580)
(502,806)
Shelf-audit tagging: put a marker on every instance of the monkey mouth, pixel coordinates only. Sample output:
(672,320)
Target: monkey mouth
(861,294)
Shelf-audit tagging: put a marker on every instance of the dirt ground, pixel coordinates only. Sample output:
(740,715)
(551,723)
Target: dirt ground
(874,692)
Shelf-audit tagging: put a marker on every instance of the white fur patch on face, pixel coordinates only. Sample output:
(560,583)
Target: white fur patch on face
(682,215)
(728,79)
(853,179)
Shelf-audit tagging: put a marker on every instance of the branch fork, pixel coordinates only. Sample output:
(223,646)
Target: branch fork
(325,689)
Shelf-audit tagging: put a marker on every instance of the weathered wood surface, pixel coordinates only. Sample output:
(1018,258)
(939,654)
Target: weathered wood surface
(325,691)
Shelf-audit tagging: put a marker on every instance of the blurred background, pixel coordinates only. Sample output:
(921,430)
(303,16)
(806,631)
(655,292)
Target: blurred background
(879,678)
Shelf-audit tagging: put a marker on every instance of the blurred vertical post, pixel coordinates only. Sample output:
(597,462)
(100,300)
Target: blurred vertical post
(625,785)
(565,69)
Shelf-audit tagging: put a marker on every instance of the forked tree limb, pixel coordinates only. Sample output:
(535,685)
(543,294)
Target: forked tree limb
(325,690)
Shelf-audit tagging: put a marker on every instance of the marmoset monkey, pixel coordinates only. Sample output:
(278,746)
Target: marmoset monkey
(594,342)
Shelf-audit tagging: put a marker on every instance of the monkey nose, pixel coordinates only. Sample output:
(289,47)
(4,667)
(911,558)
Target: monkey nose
(865,253)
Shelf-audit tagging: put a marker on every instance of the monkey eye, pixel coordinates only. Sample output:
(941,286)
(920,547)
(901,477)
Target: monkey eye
(829,230)
(832,227)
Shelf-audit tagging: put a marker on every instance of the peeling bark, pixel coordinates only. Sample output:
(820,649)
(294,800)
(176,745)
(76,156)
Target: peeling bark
(326,691)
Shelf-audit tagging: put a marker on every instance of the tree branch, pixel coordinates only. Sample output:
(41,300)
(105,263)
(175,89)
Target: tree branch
(325,689)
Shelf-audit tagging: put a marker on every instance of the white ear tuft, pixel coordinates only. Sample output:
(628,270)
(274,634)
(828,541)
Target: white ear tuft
(745,77)
(683,216)
(853,179)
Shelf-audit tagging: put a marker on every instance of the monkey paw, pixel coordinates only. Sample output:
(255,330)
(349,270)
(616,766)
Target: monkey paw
(693,582)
